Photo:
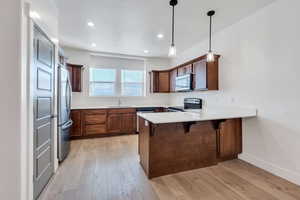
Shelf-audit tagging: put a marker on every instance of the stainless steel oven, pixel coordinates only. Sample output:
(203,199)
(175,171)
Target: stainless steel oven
(184,83)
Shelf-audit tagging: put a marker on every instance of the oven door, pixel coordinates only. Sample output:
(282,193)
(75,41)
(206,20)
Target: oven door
(184,83)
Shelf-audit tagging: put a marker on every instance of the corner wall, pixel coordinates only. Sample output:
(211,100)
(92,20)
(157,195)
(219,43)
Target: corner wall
(259,67)
(10,101)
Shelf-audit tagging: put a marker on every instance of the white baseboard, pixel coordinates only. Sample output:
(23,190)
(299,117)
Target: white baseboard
(278,171)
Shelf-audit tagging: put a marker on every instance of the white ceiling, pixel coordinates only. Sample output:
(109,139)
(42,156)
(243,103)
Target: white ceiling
(130,26)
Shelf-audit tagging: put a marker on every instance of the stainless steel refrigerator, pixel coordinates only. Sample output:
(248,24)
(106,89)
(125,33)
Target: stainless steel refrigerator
(64,111)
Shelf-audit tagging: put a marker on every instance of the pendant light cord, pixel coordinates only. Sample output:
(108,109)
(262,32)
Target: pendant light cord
(210,23)
(173,25)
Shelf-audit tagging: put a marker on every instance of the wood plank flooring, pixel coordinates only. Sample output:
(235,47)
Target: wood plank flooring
(109,169)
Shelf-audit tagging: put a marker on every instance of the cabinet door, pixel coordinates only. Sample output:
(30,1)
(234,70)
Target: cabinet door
(114,123)
(164,82)
(173,75)
(76,128)
(76,79)
(154,82)
(200,71)
(128,123)
(230,138)
(187,69)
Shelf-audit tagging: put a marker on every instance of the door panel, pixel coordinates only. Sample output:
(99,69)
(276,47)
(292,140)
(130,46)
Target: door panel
(114,123)
(200,75)
(43,109)
(164,82)
(44,80)
(129,123)
(76,129)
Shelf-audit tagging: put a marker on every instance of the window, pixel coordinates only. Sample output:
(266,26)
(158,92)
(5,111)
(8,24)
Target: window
(132,83)
(102,82)
(116,82)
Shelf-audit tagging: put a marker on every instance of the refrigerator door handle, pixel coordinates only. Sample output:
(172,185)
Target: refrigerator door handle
(68,125)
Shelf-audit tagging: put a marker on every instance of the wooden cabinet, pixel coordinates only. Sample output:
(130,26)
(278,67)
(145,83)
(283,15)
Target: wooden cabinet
(173,75)
(160,81)
(99,122)
(75,76)
(206,75)
(94,122)
(185,69)
(121,121)
(114,123)
(129,123)
(229,139)
(76,130)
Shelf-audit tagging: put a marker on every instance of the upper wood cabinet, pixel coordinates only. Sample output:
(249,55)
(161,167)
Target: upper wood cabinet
(173,75)
(186,69)
(206,75)
(229,139)
(75,76)
(160,81)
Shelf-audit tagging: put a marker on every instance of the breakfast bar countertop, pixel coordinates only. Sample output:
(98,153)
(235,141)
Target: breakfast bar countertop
(198,115)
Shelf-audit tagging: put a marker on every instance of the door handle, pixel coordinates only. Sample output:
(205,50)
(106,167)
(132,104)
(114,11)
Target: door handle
(53,116)
(68,125)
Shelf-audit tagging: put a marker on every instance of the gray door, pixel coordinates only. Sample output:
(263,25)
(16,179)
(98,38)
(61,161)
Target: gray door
(43,71)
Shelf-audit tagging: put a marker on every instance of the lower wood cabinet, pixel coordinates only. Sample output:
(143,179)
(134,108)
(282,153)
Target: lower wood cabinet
(114,123)
(76,127)
(229,138)
(128,123)
(100,122)
(121,121)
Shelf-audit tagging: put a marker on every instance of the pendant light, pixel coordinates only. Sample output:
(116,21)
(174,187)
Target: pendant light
(210,55)
(172,50)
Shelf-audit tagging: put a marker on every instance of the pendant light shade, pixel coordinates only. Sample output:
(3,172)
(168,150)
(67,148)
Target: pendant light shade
(172,50)
(210,55)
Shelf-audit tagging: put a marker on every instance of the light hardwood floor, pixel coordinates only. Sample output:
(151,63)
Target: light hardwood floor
(108,169)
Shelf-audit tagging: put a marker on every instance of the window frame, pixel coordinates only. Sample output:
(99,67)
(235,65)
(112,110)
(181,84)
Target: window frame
(118,82)
(95,82)
(141,83)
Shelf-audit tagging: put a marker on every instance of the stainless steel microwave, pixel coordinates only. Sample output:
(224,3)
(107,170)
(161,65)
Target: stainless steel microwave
(184,83)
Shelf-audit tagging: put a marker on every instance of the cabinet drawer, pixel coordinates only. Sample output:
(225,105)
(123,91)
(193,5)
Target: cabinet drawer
(95,119)
(123,110)
(94,112)
(95,129)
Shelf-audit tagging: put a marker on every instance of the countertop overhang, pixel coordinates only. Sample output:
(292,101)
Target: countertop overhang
(198,115)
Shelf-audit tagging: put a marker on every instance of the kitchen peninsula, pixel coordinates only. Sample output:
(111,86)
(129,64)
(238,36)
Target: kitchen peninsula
(172,142)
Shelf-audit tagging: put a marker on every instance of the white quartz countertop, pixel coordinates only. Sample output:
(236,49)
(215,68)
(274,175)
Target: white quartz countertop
(198,115)
(82,107)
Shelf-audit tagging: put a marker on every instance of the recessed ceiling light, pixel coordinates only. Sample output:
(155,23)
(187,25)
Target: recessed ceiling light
(90,24)
(34,15)
(146,51)
(160,36)
(94,45)
(54,40)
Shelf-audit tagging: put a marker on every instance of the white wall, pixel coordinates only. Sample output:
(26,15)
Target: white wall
(259,67)
(82,57)
(10,101)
